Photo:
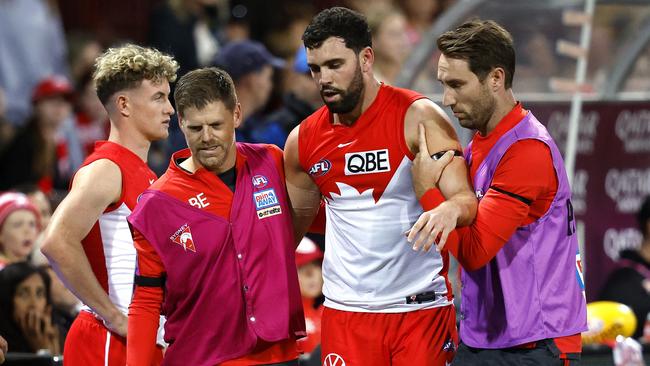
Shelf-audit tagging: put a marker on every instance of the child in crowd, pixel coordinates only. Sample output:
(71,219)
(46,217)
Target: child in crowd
(19,227)
(26,310)
(309,258)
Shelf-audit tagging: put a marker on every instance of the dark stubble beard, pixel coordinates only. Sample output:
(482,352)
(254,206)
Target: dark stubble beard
(350,97)
(482,111)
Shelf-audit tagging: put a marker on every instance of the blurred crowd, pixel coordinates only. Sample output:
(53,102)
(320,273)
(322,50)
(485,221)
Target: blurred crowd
(50,118)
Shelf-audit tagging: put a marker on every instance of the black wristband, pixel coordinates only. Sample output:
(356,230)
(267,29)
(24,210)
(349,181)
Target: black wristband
(439,154)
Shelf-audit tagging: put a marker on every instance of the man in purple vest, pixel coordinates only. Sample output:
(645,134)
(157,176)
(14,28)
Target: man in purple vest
(215,243)
(522,292)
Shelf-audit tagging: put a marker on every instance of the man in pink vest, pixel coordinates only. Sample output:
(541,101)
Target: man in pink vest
(215,243)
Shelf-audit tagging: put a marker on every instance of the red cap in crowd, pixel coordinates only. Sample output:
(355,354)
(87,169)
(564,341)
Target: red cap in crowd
(307,251)
(12,201)
(52,86)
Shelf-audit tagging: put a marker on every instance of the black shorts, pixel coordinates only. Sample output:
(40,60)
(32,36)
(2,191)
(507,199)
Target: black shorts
(545,353)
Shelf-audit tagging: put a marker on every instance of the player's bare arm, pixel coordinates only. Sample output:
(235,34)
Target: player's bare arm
(427,132)
(304,194)
(94,188)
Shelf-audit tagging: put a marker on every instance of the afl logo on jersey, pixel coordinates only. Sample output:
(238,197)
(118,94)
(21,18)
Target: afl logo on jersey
(320,168)
(260,181)
(367,162)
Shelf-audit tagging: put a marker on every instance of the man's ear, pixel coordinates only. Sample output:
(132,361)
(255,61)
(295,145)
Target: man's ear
(180,119)
(366,59)
(237,115)
(497,79)
(122,105)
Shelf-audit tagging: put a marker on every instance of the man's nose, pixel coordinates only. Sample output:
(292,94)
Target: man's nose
(448,99)
(205,133)
(325,77)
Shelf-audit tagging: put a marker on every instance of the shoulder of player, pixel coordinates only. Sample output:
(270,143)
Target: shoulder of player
(521,158)
(98,172)
(99,181)
(291,145)
(423,110)
(276,154)
(437,124)
(273,149)
(531,152)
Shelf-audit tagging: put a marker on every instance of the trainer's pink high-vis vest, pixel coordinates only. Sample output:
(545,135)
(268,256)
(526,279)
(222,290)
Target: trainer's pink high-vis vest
(228,281)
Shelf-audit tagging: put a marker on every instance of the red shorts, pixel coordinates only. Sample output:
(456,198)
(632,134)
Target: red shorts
(423,337)
(89,343)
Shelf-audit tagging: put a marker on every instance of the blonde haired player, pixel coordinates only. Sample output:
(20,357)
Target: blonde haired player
(88,242)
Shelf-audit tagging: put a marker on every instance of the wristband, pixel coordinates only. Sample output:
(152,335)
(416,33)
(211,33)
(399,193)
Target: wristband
(431,199)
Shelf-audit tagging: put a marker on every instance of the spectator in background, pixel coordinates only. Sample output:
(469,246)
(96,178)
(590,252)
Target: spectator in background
(309,259)
(629,284)
(366,7)
(65,306)
(91,118)
(420,14)
(6,128)
(26,310)
(3,349)
(83,49)
(536,61)
(32,46)
(390,42)
(45,151)
(285,38)
(301,99)
(19,227)
(188,29)
(250,65)
(40,200)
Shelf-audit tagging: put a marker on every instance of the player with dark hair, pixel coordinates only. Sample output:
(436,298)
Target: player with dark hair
(384,303)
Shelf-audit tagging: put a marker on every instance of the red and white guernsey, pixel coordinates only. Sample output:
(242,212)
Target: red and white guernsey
(364,172)
(109,245)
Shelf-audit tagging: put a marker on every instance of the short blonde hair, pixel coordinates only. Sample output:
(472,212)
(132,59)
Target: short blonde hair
(127,66)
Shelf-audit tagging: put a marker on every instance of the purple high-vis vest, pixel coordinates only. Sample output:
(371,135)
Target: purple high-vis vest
(529,291)
(228,282)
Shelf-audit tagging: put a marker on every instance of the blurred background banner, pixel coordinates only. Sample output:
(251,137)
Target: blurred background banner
(611,179)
